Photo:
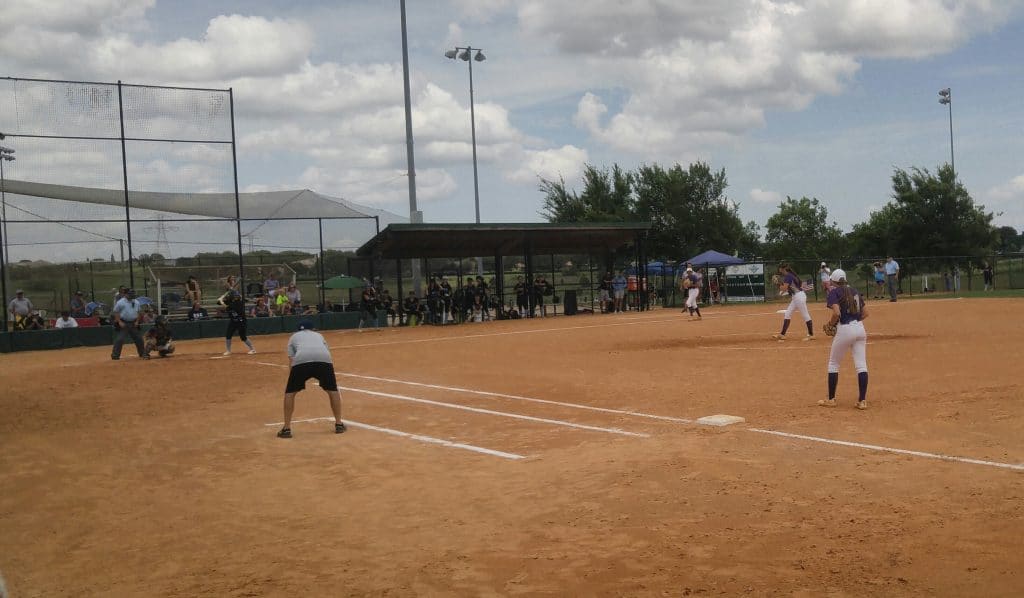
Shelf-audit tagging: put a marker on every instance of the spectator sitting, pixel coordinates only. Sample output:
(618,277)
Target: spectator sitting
(93,308)
(198,312)
(311,310)
(193,294)
(293,294)
(287,309)
(261,309)
(388,304)
(78,305)
(280,301)
(65,321)
(20,308)
(147,316)
(411,306)
(34,321)
(270,285)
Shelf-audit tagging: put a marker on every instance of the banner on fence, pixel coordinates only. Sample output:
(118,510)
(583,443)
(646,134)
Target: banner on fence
(745,282)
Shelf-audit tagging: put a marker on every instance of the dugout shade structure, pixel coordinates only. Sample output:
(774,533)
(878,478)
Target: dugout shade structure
(523,241)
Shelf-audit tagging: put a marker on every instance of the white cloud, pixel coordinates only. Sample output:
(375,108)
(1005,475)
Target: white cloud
(565,163)
(1011,190)
(699,74)
(233,46)
(762,196)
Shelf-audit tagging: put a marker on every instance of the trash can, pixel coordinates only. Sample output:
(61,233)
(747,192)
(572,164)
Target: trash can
(569,298)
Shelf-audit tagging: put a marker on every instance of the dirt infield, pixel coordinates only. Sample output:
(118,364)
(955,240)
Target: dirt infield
(545,457)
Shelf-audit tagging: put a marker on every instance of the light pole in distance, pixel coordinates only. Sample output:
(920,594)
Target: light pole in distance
(946,98)
(464,54)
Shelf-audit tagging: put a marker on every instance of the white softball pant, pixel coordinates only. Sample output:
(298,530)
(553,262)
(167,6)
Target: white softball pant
(849,337)
(799,301)
(691,297)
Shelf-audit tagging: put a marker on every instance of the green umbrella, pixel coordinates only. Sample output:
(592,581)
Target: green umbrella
(344,282)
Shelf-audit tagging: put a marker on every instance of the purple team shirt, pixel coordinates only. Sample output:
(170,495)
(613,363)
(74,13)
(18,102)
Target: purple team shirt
(794,283)
(835,297)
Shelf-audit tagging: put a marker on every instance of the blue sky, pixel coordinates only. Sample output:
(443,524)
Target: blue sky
(808,97)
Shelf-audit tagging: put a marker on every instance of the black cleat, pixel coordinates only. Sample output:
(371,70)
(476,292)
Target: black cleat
(285,433)
(339,428)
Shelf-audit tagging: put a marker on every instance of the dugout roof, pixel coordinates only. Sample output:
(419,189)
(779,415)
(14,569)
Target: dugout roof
(408,241)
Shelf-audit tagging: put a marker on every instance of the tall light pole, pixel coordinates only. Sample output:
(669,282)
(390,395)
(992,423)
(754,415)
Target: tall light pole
(6,155)
(415,216)
(464,54)
(946,98)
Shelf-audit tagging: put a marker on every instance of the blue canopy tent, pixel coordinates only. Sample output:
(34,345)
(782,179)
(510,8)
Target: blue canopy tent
(656,269)
(715,258)
(712,258)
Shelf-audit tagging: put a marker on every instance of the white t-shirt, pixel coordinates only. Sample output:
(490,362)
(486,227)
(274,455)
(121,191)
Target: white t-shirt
(308,346)
(62,323)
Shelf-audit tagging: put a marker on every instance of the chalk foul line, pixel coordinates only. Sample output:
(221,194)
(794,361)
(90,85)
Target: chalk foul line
(520,398)
(417,437)
(886,449)
(555,422)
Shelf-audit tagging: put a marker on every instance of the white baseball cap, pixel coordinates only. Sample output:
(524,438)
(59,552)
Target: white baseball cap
(837,275)
(823,264)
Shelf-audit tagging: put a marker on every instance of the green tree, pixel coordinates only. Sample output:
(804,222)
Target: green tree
(929,215)
(800,231)
(688,209)
(1007,240)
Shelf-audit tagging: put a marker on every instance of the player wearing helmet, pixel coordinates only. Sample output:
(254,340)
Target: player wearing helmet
(158,338)
(235,307)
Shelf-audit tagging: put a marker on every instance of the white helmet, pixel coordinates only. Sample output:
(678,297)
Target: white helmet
(837,275)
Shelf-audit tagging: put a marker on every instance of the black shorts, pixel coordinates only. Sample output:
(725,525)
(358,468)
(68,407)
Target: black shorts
(323,372)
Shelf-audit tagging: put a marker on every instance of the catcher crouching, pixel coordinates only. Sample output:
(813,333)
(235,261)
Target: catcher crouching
(159,338)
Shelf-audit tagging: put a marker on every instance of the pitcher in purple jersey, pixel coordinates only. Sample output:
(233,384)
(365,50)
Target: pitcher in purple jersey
(848,310)
(792,285)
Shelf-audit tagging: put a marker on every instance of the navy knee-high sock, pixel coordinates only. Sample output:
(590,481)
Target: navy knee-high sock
(862,385)
(810,328)
(833,381)
(697,309)
(785,325)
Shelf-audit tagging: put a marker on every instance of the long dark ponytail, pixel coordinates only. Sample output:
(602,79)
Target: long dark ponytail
(848,301)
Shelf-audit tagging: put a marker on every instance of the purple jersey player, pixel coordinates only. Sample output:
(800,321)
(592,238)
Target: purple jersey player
(848,310)
(693,292)
(793,286)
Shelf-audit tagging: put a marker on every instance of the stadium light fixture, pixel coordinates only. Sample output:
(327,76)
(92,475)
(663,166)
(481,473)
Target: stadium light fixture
(946,99)
(6,155)
(463,53)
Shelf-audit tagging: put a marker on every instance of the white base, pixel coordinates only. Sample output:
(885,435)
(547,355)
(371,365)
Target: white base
(720,420)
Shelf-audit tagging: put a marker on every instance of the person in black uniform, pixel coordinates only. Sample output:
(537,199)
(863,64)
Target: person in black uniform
(411,307)
(538,296)
(468,299)
(522,296)
(368,312)
(434,300)
(446,299)
(484,298)
(234,305)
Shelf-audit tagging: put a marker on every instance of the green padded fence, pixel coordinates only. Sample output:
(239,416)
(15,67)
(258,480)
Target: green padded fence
(40,340)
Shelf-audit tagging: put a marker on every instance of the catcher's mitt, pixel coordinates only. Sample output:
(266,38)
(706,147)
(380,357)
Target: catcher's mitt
(830,329)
